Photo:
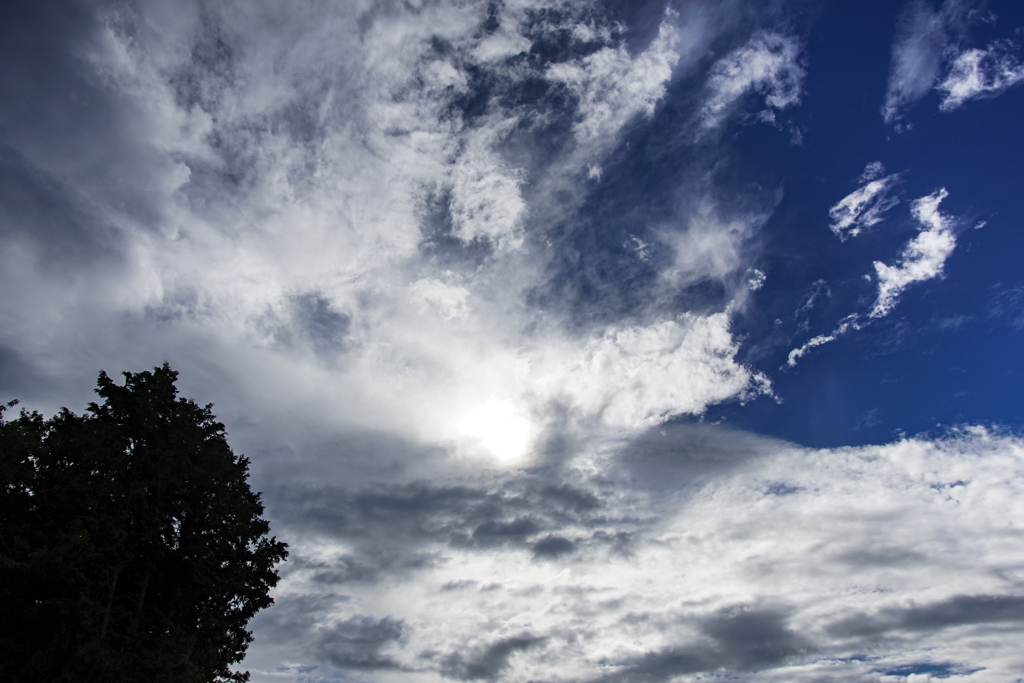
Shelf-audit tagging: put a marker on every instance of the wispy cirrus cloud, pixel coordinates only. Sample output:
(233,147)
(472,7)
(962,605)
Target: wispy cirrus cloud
(917,54)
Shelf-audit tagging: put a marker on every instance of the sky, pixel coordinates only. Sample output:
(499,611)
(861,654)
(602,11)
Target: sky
(570,341)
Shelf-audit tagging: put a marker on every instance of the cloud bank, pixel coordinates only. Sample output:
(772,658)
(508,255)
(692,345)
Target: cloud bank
(685,553)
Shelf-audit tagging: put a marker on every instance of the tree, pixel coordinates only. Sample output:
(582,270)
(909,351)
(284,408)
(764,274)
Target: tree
(131,545)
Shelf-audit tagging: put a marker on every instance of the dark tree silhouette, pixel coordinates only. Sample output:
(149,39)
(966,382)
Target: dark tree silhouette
(131,546)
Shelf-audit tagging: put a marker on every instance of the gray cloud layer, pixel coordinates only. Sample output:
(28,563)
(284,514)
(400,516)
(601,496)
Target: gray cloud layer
(685,552)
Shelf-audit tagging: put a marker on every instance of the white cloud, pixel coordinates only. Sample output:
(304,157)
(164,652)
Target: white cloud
(634,377)
(769,64)
(923,257)
(865,206)
(501,45)
(757,279)
(448,299)
(850,321)
(979,74)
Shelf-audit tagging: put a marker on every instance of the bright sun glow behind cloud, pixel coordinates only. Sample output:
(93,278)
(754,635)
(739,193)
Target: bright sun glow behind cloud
(502,431)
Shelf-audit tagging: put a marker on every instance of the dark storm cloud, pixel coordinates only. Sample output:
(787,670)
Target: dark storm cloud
(552,547)
(738,639)
(408,512)
(307,460)
(962,610)
(566,497)
(753,638)
(39,211)
(512,509)
(492,533)
(461,584)
(662,665)
(519,515)
(525,512)
(882,556)
(356,643)
(488,662)
(686,455)
(366,568)
(18,379)
(68,121)
(440,245)
(304,622)
(59,128)
(398,530)
(44,92)
(295,617)
(315,319)
(211,68)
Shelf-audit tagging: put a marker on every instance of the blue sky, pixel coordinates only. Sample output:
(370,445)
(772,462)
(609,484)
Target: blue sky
(570,341)
(946,356)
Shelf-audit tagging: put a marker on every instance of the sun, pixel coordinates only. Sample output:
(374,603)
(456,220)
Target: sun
(502,431)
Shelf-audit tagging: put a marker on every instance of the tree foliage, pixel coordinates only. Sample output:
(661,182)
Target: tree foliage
(131,545)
